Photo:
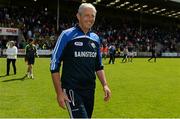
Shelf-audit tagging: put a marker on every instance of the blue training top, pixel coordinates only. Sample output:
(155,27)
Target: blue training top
(81,58)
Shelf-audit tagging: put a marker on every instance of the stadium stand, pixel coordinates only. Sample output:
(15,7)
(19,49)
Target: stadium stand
(119,23)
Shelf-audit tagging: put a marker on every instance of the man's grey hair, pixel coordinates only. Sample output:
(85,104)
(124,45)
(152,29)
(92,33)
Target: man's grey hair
(86,5)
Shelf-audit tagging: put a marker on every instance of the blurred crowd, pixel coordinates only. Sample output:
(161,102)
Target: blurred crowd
(41,26)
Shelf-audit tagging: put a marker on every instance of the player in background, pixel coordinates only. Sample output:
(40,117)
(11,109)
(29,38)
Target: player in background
(125,54)
(31,53)
(153,53)
(130,53)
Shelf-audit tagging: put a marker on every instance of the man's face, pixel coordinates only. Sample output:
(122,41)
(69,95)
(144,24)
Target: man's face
(86,18)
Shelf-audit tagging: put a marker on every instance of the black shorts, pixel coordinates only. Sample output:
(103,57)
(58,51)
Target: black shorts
(82,103)
(30,60)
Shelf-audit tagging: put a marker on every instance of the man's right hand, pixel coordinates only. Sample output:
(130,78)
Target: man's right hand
(61,98)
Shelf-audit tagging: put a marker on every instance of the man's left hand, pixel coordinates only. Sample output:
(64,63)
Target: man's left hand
(107,93)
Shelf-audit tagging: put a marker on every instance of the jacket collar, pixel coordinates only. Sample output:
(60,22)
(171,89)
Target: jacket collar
(79,28)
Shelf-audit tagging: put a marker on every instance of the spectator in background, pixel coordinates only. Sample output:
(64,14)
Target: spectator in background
(105,51)
(11,56)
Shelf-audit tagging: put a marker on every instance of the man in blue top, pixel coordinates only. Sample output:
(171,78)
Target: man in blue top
(79,49)
(112,52)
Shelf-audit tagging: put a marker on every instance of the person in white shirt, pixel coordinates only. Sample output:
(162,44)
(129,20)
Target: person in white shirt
(11,53)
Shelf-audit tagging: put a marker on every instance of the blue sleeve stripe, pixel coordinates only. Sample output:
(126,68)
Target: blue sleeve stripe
(55,54)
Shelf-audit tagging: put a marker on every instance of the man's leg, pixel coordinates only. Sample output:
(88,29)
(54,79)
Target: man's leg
(30,68)
(110,59)
(113,60)
(8,66)
(76,107)
(88,99)
(124,57)
(31,71)
(154,58)
(14,65)
(150,58)
(32,63)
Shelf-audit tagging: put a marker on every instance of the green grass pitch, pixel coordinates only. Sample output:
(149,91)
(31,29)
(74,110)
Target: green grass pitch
(139,89)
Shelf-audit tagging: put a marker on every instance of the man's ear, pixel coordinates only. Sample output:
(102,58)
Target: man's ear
(78,16)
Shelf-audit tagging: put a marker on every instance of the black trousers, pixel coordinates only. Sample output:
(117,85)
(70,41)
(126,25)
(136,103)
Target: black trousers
(82,103)
(13,64)
(112,58)
(153,56)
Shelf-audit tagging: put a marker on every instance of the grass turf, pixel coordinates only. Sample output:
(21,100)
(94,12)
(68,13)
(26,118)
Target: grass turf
(139,89)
